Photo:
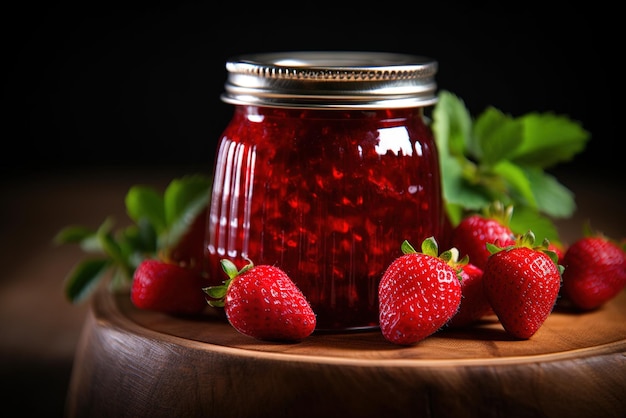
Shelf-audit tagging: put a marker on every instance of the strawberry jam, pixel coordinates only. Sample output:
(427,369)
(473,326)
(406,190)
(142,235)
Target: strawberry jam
(325,168)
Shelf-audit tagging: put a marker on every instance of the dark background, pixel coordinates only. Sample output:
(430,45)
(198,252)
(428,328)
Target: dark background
(95,84)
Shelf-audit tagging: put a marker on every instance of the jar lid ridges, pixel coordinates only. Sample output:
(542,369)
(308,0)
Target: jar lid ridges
(332,79)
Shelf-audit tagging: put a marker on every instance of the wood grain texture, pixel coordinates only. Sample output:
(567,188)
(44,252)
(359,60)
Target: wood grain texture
(134,363)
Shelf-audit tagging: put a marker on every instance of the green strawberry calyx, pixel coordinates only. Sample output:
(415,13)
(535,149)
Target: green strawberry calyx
(218,293)
(431,248)
(528,240)
(498,212)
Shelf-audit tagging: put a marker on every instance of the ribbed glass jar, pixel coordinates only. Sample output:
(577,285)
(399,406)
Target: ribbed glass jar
(326,166)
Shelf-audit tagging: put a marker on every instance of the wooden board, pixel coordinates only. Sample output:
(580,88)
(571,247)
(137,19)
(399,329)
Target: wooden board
(141,363)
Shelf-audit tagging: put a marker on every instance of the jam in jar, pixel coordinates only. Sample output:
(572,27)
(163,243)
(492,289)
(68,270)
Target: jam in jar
(326,166)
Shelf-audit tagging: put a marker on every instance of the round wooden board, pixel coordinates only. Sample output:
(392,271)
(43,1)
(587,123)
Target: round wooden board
(140,363)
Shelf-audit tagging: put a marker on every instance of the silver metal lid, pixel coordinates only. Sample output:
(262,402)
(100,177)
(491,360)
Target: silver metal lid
(331,80)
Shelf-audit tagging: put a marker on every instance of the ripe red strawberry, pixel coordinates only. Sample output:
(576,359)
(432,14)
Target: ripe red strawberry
(522,283)
(263,302)
(418,293)
(595,271)
(475,231)
(168,288)
(474,302)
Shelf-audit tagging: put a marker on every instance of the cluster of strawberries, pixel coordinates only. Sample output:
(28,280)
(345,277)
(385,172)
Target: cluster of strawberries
(488,270)
(500,273)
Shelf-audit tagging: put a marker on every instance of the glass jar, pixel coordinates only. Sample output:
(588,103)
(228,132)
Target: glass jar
(326,167)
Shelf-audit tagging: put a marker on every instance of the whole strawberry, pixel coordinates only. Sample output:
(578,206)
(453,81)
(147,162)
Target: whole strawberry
(263,302)
(474,302)
(165,287)
(595,271)
(418,293)
(475,231)
(522,283)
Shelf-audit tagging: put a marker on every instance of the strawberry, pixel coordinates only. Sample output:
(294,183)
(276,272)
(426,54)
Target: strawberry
(263,302)
(522,283)
(474,303)
(418,293)
(472,234)
(595,271)
(165,287)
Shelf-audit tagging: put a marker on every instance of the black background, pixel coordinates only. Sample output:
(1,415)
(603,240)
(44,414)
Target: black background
(98,84)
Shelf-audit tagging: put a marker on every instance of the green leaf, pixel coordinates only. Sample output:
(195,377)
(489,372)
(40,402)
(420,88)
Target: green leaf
(73,234)
(553,198)
(142,237)
(84,278)
(92,242)
(455,213)
(498,157)
(497,136)
(114,250)
(85,237)
(184,199)
(457,190)
(525,219)
(452,125)
(145,202)
(183,194)
(517,182)
(549,139)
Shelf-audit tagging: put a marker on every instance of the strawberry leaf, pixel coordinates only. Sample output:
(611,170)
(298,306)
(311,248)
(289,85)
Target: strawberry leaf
(498,157)
(84,278)
(145,202)
(549,139)
(453,124)
(184,199)
(555,199)
(183,194)
(459,193)
(542,226)
(519,187)
(73,234)
(157,221)
(497,136)
(140,238)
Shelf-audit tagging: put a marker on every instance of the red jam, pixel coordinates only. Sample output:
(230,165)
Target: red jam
(326,195)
